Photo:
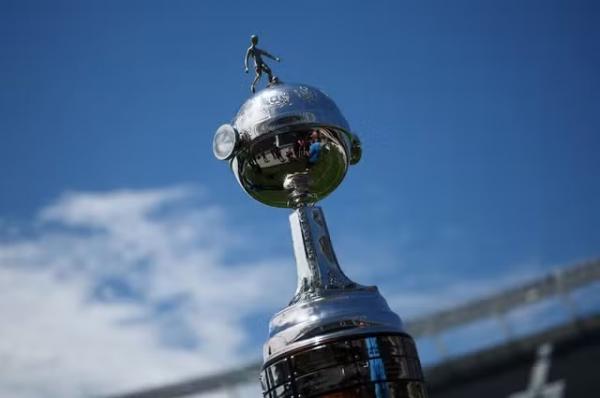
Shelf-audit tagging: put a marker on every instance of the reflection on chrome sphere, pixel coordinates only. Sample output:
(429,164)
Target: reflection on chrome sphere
(317,154)
(294,146)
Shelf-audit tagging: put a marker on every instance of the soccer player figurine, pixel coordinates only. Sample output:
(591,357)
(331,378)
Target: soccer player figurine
(259,65)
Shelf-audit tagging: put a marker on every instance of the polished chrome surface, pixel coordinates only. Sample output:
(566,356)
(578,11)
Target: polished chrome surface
(225,142)
(283,106)
(324,318)
(327,304)
(277,127)
(319,272)
(379,366)
(264,167)
(355,150)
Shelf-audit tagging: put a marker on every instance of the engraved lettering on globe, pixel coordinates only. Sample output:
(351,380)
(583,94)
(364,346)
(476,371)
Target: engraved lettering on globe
(305,93)
(279,99)
(292,146)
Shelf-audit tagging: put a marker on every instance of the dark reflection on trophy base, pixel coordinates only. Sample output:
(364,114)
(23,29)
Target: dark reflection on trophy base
(380,366)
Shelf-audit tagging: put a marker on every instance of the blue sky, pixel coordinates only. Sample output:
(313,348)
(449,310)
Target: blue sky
(480,129)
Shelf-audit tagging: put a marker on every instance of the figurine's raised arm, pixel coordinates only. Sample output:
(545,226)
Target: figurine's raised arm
(246,59)
(266,54)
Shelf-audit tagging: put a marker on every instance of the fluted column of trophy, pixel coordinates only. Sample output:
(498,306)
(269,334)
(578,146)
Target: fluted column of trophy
(289,146)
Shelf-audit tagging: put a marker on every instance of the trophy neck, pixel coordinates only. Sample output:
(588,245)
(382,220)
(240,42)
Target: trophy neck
(319,272)
(327,304)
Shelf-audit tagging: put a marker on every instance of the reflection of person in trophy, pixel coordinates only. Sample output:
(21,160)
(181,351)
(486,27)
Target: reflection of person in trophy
(299,147)
(289,155)
(314,150)
(259,65)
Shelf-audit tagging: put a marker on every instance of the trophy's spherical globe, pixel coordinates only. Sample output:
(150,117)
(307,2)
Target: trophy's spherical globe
(287,130)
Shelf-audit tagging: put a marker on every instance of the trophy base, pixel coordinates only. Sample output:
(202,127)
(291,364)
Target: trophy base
(366,366)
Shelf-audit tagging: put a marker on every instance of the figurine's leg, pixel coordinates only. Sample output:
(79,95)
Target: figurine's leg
(266,68)
(258,74)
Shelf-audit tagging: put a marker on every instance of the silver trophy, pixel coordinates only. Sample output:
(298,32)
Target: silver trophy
(290,146)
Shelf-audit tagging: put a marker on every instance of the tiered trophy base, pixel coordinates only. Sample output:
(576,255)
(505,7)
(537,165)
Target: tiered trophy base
(372,366)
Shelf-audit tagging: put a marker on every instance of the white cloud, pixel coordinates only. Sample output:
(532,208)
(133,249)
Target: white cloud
(125,289)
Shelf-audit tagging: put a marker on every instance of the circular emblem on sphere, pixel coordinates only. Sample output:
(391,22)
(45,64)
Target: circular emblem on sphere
(225,142)
(294,145)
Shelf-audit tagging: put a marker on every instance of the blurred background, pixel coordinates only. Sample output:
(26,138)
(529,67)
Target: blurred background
(131,260)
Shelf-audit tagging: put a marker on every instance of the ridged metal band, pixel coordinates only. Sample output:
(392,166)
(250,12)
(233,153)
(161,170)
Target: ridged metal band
(380,366)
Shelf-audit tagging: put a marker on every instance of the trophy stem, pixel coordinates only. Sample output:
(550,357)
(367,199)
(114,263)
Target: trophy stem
(317,265)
